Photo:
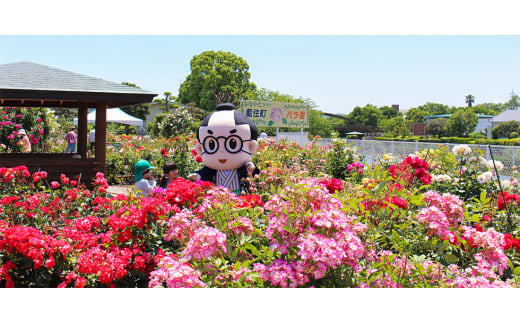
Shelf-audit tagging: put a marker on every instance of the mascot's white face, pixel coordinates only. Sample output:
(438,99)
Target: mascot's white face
(223,144)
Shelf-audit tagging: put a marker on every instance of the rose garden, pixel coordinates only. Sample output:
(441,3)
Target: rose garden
(315,216)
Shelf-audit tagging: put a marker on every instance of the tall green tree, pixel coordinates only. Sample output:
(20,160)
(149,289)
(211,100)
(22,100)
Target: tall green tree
(216,77)
(389,112)
(461,123)
(395,126)
(416,115)
(469,100)
(368,115)
(436,127)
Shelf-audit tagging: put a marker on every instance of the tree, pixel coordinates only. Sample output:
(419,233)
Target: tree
(388,112)
(436,127)
(395,126)
(216,77)
(504,129)
(461,123)
(469,100)
(435,108)
(369,115)
(318,124)
(514,102)
(488,108)
(416,115)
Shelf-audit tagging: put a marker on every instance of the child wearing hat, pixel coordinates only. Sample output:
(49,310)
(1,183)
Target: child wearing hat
(143,177)
(26,144)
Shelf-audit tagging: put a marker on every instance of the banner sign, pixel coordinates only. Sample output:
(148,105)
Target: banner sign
(276,114)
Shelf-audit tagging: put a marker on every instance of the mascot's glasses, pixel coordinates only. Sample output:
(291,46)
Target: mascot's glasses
(233,144)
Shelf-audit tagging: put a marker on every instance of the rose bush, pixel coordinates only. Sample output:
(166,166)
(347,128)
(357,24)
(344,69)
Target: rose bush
(397,223)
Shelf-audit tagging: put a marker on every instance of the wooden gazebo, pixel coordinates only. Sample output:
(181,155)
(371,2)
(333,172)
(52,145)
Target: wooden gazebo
(27,84)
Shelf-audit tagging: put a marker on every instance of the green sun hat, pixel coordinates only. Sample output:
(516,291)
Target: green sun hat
(140,167)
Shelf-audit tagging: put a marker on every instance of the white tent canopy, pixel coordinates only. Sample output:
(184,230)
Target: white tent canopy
(115,115)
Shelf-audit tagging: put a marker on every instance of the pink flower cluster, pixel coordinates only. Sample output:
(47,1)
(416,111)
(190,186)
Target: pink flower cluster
(431,271)
(356,166)
(241,224)
(479,276)
(101,182)
(205,242)
(175,274)
(315,243)
(182,226)
(441,213)
(491,243)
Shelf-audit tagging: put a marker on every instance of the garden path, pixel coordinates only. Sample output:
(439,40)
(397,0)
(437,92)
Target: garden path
(119,189)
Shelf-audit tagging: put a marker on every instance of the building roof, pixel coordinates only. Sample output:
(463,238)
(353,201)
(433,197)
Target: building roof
(507,115)
(483,116)
(31,84)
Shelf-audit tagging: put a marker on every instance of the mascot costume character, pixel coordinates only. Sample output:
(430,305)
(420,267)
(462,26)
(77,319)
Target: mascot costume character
(226,142)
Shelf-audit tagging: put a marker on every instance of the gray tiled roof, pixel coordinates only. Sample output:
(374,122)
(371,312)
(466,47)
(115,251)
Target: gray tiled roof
(32,76)
(508,115)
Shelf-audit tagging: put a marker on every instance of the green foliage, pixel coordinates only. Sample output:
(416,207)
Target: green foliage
(339,157)
(124,151)
(172,123)
(318,124)
(369,115)
(461,123)
(504,129)
(216,77)
(416,115)
(436,127)
(395,126)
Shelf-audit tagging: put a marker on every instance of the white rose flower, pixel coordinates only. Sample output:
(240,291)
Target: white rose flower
(461,150)
(485,177)
(498,165)
(506,184)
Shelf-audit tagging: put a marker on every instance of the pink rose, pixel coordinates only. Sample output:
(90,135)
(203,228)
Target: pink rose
(54,184)
(276,114)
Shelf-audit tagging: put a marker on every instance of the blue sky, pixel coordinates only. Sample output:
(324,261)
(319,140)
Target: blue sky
(336,70)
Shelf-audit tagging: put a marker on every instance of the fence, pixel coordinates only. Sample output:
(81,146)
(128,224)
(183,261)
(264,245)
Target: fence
(374,149)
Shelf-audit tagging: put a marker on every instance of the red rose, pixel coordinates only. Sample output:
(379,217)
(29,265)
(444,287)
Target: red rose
(508,241)
(198,159)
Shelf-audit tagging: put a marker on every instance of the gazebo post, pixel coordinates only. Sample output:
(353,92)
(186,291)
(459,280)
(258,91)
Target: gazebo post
(82,129)
(101,138)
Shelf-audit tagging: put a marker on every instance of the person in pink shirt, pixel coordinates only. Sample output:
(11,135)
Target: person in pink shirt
(71,139)
(24,142)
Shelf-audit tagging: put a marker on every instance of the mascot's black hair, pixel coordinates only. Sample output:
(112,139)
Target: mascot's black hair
(240,118)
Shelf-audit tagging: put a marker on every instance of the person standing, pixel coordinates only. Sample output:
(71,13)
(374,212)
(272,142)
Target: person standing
(24,142)
(71,139)
(143,177)
(92,139)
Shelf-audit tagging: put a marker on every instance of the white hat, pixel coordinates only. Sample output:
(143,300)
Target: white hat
(21,132)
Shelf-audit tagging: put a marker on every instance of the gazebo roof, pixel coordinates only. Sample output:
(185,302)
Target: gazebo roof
(34,85)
